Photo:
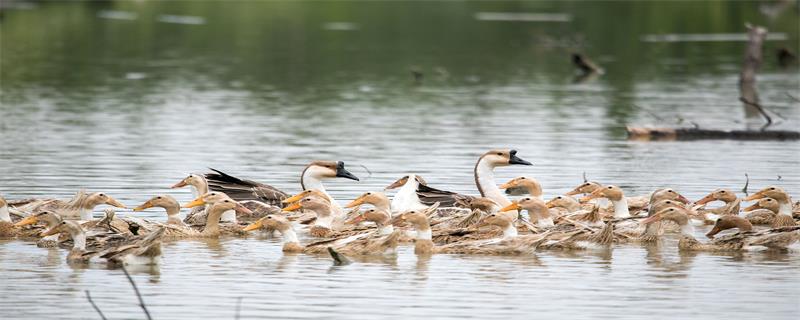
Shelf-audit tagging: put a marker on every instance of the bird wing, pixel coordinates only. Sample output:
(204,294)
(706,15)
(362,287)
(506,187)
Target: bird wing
(242,189)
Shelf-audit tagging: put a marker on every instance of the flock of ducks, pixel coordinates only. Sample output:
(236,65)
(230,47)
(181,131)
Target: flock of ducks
(434,220)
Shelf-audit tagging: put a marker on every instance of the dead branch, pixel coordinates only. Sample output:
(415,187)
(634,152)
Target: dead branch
(746,183)
(138,295)
(238,307)
(584,177)
(96,308)
(760,109)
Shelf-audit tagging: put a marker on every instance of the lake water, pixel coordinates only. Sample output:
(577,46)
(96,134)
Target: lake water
(129,97)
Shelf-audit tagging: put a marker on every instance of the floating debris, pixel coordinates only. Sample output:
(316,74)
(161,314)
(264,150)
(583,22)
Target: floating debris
(523,16)
(707,37)
(117,15)
(168,18)
(340,26)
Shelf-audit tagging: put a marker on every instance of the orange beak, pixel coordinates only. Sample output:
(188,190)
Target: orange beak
(293,207)
(254,226)
(594,195)
(755,206)
(180,184)
(295,198)
(50,232)
(682,199)
(510,184)
(357,202)
(651,219)
(356,220)
(755,196)
(396,184)
(512,206)
(27,221)
(708,198)
(113,202)
(196,202)
(143,206)
(573,192)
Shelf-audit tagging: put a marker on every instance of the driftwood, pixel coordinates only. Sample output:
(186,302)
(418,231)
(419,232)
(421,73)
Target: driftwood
(641,133)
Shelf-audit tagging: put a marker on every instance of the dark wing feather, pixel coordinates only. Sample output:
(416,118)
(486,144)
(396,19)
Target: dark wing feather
(241,189)
(429,196)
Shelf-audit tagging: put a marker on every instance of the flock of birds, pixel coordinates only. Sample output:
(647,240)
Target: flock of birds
(435,221)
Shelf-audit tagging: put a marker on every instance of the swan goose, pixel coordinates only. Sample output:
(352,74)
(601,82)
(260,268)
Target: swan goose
(484,180)
(784,217)
(406,198)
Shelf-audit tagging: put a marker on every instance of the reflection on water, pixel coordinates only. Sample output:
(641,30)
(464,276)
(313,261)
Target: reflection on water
(108,98)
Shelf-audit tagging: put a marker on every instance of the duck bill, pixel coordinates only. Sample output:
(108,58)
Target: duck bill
(253,226)
(550,204)
(293,207)
(50,232)
(513,159)
(341,172)
(573,192)
(195,203)
(755,196)
(594,195)
(27,221)
(397,184)
(512,206)
(143,206)
(113,202)
(651,219)
(708,198)
(355,220)
(357,202)
(180,184)
(294,198)
(507,185)
(242,209)
(713,232)
(755,206)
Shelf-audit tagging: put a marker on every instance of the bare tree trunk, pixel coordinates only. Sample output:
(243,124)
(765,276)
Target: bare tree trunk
(752,62)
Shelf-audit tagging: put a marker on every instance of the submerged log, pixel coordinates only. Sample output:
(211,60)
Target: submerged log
(642,133)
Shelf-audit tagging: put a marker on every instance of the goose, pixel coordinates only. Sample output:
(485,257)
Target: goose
(381,217)
(360,244)
(406,198)
(778,238)
(523,185)
(484,180)
(730,199)
(377,199)
(784,217)
(50,219)
(762,212)
(78,253)
(168,203)
(143,252)
(327,219)
(617,198)
(310,178)
(537,210)
(80,207)
(216,207)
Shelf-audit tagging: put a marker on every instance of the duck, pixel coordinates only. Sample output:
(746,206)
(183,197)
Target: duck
(778,238)
(311,178)
(50,219)
(143,252)
(381,217)
(508,243)
(523,185)
(564,203)
(582,239)
(762,212)
(536,208)
(80,207)
(729,222)
(78,253)
(7,229)
(359,244)
(617,198)
(406,198)
(377,199)
(730,199)
(212,229)
(168,203)
(484,180)
(586,188)
(784,217)
(327,219)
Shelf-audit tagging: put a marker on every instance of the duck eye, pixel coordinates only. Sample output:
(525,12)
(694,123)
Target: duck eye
(269,217)
(773,188)
(723,191)
(102,195)
(369,193)
(609,187)
(158,198)
(523,178)
(559,197)
(499,153)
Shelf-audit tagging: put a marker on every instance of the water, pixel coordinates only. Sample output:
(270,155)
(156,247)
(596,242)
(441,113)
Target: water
(114,97)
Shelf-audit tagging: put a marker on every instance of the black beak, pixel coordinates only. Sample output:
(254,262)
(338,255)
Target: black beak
(516,160)
(341,172)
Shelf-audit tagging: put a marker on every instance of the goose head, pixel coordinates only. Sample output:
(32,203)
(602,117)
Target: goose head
(502,158)
(417,218)
(161,201)
(192,179)
(48,217)
(306,193)
(530,184)
(610,192)
(729,222)
(273,222)
(723,195)
(773,192)
(379,217)
(320,205)
(675,214)
(98,198)
(668,194)
(565,202)
(70,227)
(535,207)
(765,203)
(213,198)
(328,170)
(584,188)
(402,181)
(373,198)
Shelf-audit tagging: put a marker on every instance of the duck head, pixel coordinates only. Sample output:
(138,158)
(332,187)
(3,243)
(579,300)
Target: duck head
(723,195)
(48,217)
(729,222)
(99,198)
(530,184)
(271,221)
(610,192)
(535,206)
(192,179)
(668,194)
(584,188)
(773,192)
(320,205)
(402,181)
(765,203)
(373,198)
(161,201)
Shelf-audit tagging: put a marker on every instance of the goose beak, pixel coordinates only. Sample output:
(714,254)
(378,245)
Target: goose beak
(180,184)
(293,207)
(196,202)
(573,192)
(254,226)
(512,206)
(755,206)
(549,204)
(708,198)
(293,198)
(27,221)
(755,196)
(242,209)
(513,159)
(113,202)
(50,232)
(143,206)
(341,172)
(594,195)
(356,220)
(682,199)
(357,202)
(507,185)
